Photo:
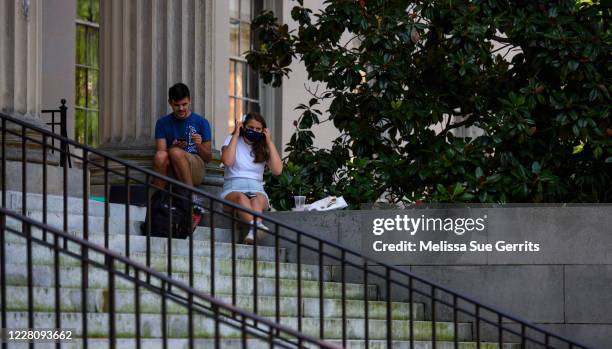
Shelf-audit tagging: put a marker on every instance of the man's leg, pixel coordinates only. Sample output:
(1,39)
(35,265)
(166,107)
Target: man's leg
(182,163)
(160,165)
(178,160)
(197,167)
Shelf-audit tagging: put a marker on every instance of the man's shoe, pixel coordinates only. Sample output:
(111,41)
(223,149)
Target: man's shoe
(196,218)
(199,210)
(198,204)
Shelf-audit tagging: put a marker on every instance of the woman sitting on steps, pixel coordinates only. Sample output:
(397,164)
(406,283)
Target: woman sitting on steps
(245,154)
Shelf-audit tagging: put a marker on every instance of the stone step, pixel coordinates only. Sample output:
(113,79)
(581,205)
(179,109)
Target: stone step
(55,204)
(180,247)
(75,206)
(55,207)
(150,303)
(177,326)
(225,343)
(41,255)
(33,173)
(43,276)
(116,226)
(382,344)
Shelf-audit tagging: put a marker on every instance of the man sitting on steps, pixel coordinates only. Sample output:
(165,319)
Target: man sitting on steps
(182,141)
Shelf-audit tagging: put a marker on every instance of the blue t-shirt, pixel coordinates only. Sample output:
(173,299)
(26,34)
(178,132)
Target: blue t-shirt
(172,128)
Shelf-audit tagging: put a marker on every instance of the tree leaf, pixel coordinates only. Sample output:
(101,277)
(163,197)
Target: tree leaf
(458,189)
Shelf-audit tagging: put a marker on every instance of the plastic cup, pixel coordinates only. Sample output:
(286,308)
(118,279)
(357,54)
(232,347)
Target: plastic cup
(300,202)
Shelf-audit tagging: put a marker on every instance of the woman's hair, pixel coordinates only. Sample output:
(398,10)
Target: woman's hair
(260,148)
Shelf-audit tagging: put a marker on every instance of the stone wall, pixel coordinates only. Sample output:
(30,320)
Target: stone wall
(564,287)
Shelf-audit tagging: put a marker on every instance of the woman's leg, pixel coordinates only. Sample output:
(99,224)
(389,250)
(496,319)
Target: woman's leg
(259,203)
(242,200)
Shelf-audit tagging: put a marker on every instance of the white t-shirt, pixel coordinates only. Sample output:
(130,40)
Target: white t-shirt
(244,166)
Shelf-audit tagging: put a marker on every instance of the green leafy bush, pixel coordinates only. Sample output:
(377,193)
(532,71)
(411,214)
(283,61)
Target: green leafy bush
(404,78)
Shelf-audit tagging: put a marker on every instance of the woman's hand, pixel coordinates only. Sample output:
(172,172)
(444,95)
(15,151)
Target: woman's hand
(237,125)
(267,135)
(228,152)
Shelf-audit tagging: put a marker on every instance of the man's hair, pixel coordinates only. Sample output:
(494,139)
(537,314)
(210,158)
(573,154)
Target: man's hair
(178,91)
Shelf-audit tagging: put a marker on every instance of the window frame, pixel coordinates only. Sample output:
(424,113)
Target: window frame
(87,109)
(234,61)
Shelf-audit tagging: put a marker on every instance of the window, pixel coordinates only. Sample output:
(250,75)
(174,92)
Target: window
(244,93)
(87,71)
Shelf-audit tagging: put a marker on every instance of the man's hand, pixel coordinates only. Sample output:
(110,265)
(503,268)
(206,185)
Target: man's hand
(180,144)
(196,138)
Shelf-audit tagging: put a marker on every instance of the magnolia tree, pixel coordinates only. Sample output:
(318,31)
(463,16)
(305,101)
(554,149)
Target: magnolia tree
(402,77)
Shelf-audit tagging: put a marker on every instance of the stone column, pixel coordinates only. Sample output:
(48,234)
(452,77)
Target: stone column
(21,58)
(217,68)
(146,46)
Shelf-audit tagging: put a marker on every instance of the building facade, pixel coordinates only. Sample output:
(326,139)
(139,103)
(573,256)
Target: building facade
(113,61)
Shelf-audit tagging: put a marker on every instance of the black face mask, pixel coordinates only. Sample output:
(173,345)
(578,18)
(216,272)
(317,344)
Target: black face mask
(251,135)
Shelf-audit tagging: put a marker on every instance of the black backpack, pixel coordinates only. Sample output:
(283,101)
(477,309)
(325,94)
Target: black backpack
(160,218)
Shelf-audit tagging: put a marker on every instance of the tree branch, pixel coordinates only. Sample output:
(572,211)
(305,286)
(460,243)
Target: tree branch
(449,127)
(503,47)
(501,39)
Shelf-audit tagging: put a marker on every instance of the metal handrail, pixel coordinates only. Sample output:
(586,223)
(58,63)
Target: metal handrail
(392,276)
(63,125)
(195,298)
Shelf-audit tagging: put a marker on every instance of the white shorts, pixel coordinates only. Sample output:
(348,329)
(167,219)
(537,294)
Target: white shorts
(243,185)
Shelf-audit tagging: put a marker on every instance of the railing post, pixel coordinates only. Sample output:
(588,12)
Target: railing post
(112,330)
(65,154)
(3,155)
(3,307)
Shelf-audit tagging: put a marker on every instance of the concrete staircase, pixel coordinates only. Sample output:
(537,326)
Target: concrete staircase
(177,319)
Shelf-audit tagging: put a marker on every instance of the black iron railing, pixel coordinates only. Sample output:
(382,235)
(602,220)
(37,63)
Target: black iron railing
(243,326)
(62,123)
(349,266)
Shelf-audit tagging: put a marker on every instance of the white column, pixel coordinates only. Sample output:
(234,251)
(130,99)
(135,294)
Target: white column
(217,67)
(147,46)
(21,61)
(20,58)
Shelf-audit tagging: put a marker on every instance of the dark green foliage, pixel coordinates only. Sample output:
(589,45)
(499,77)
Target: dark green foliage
(394,72)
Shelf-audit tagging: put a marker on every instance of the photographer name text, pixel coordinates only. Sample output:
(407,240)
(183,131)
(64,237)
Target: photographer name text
(445,246)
